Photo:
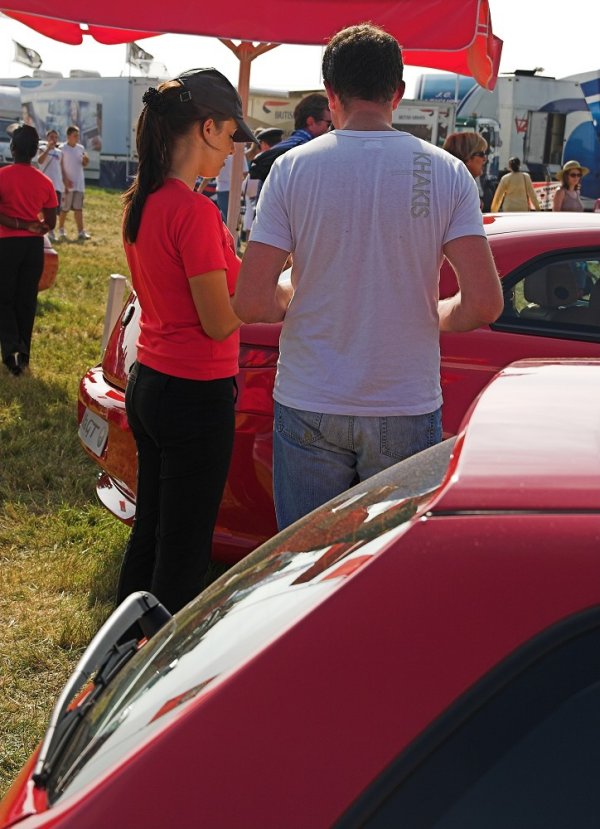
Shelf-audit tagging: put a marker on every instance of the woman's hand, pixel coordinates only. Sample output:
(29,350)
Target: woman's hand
(37,227)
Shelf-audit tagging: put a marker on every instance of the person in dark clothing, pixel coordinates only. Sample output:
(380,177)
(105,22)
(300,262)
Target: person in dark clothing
(24,193)
(267,138)
(311,119)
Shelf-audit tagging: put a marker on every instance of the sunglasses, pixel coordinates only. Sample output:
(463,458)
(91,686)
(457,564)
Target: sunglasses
(574,175)
(479,155)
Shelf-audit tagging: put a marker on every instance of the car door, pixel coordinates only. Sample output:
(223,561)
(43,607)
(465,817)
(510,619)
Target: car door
(522,749)
(552,309)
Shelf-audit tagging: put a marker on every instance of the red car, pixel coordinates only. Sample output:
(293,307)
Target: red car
(550,268)
(420,652)
(48,277)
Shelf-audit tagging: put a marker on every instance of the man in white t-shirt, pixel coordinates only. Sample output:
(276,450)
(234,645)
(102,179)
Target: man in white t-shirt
(369,214)
(50,163)
(75,160)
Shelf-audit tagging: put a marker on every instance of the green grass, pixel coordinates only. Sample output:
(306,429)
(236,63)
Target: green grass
(59,549)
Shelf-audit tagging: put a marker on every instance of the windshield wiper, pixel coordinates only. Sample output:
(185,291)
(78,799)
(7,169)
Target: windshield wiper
(140,616)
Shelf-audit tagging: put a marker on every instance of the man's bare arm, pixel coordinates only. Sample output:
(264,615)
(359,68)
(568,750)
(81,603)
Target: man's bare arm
(258,297)
(479,299)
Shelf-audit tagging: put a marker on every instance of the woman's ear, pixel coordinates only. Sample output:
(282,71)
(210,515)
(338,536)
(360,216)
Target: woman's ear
(208,128)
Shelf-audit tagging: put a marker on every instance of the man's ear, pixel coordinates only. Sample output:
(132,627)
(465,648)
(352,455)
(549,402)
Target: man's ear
(331,97)
(398,95)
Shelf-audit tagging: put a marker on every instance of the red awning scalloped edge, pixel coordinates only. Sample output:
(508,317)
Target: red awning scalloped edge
(451,35)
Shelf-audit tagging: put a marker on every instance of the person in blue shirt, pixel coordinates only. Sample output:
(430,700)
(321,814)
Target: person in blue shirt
(311,118)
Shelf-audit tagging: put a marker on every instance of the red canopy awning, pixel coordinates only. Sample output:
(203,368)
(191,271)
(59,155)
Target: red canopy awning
(454,35)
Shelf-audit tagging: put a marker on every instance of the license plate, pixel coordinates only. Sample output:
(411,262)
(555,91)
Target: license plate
(93,432)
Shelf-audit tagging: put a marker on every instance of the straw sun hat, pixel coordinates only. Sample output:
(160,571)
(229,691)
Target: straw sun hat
(572,165)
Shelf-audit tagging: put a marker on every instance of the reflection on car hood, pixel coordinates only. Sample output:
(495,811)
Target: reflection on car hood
(244,610)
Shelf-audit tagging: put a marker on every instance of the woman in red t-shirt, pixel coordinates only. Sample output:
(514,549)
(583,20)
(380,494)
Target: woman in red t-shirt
(180,392)
(24,193)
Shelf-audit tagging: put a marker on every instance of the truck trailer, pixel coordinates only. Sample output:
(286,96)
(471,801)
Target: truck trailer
(10,113)
(106,110)
(543,121)
(429,120)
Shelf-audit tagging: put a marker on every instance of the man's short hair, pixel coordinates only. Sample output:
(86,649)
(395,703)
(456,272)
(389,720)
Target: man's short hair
(313,105)
(363,62)
(72,129)
(24,141)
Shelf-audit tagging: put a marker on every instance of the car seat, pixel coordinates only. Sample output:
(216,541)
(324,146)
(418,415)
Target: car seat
(549,290)
(584,314)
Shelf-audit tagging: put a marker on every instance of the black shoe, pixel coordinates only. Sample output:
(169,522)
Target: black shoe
(13,364)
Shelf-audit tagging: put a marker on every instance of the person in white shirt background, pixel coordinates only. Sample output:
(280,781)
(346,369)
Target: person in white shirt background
(224,184)
(50,163)
(75,160)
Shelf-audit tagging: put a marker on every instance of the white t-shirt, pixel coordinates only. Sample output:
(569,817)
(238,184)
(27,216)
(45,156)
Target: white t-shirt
(72,161)
(51,167)
(224,177)
(366,215)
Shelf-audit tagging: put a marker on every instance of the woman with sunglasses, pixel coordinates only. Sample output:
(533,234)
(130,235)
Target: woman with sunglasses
(567,198)
(180,392)
(471,148)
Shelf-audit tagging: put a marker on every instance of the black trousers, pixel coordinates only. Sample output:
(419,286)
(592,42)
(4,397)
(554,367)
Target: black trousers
(21,266)
(184,435)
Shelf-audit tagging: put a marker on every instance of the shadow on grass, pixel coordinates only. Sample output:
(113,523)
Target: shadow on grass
(47,489)
(42,461)
(48,305)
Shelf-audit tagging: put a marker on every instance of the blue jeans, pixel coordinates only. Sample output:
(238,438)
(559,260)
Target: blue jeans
(317,456)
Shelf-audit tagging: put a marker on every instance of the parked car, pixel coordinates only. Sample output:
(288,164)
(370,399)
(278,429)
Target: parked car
(48,277)
(420,652)
(550,268)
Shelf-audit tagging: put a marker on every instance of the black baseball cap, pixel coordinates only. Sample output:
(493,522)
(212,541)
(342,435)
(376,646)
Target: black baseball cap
(211,89)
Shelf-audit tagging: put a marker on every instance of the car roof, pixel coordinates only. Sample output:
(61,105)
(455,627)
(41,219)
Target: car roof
(538,221)
(532,441)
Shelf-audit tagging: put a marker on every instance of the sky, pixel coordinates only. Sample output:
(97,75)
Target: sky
(529,28)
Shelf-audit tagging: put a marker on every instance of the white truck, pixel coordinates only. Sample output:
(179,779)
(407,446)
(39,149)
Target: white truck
(105,110)
(544,121)
(429,120)
(10,113)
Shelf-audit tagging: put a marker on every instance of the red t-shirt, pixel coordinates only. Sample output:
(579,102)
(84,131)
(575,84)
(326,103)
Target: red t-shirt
(24,192)
(181,235)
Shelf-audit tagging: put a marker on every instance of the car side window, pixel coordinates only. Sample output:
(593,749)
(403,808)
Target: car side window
(518,751)
(561,294)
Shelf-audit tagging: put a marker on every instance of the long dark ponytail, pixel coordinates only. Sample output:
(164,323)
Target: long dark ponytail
(167,113)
